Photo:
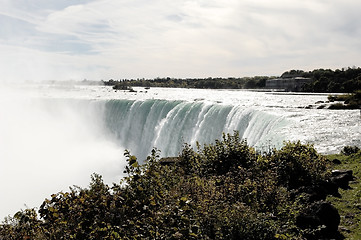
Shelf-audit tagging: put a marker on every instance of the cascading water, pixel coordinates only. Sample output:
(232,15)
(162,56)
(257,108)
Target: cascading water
(141,125)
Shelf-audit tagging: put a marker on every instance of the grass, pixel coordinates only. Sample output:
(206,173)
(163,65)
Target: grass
(349,205)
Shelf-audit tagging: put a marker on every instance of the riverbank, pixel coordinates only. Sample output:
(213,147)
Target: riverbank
(349,204)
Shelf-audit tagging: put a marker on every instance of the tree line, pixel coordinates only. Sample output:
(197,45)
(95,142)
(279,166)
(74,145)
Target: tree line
(202,83)
(345,80)
(331,81)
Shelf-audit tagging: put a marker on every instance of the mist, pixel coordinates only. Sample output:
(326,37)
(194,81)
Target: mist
(49,144)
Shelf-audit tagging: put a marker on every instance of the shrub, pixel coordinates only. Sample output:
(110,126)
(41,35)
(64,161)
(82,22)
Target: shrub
(23,225)
(226,155)
(224,190)
(299,165)
(349,150)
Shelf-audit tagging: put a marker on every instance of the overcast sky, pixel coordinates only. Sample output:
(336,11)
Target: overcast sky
(103,39)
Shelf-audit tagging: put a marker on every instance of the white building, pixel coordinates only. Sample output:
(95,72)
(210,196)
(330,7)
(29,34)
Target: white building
(294,84)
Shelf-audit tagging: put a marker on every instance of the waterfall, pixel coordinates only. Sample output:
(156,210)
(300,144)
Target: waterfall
(52,138)
(141,125)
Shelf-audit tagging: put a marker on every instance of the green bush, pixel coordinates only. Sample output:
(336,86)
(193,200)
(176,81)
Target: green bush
(223,190)
(299,165)
(349,150)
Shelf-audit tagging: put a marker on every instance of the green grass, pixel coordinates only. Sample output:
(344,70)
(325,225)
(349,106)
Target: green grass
(349,205)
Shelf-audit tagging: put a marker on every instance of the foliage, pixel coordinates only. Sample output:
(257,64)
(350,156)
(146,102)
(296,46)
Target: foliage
(82,213)
(351,101)
(224,190)
(23,225)
(341,97)
(349,150)
(299,165)
(346,80)
(340,81)
(203,83)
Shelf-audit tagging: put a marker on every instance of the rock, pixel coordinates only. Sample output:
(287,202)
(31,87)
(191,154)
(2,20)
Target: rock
(305,221)
(340,172)
(330,188)
(318,191)
(318,214)
(336,161)
(341,178)
(329,216)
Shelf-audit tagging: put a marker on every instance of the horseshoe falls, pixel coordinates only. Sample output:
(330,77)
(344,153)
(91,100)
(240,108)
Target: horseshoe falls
(141,125)
(56,136)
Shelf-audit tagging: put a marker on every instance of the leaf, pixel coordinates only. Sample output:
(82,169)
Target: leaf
(135,164)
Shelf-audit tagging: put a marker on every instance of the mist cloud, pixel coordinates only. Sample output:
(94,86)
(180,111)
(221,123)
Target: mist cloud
(48,145)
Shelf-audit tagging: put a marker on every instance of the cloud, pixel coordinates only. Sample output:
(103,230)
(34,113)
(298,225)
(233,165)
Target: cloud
(192,38)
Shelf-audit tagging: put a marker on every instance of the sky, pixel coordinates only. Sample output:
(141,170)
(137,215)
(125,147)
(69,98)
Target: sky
(104,39)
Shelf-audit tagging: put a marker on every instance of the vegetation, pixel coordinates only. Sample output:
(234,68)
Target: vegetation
(326,80)
(346,101)
(349,205)
(322,80)
(207,83)
(224,190)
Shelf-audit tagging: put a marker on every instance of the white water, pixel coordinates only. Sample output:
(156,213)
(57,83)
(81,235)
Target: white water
(52,138)
(142,125)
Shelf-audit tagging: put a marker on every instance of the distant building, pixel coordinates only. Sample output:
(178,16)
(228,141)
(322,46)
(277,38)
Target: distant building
(293,84)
